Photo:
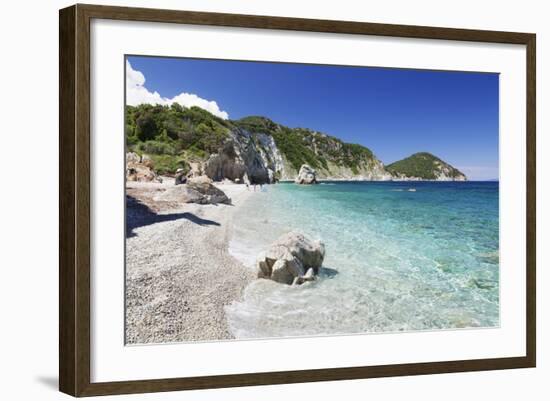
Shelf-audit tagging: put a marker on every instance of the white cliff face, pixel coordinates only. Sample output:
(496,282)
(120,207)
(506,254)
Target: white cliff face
(288,173)
(440,176)
(271,156)
(445,173)
(377,172)
(373,170)
(255,155)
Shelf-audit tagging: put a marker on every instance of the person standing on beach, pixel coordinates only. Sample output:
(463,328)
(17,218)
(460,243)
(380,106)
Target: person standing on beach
(246,181)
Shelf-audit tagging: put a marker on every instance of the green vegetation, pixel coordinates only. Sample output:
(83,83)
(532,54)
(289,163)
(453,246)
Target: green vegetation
(422,165)
(173,136)
(295,148)
(304,146)
(156,147)
(257,124)
(167,164)
(353,155)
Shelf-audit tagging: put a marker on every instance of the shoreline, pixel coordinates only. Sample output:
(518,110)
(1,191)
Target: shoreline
(396,180)
(179,272)
(186,275)
(373,264)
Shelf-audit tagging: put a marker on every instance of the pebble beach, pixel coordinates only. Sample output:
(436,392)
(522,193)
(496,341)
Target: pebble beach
(179,274)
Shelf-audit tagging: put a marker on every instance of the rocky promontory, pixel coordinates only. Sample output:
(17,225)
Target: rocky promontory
(424,166)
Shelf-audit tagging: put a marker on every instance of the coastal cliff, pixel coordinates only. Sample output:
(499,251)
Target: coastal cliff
(328,155)
(254,149)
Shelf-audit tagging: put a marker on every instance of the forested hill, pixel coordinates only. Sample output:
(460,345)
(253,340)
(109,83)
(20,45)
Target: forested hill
(175,137)
(330,156)
(424,165)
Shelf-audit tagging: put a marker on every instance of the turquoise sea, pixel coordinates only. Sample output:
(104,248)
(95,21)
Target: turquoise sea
(400,256)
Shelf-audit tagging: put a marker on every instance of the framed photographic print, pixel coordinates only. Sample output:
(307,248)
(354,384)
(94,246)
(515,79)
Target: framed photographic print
(250,200)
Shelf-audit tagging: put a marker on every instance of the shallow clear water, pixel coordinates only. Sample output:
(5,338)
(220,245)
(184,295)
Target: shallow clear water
(395,259)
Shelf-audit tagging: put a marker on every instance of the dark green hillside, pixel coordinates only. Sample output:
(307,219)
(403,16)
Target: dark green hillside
(172,135)
(302,145)
(423,165)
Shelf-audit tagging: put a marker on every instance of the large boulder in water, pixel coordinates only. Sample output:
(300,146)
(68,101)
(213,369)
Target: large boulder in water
(292,259)
(306,175)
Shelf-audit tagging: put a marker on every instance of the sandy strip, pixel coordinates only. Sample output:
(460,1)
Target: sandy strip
(179,274)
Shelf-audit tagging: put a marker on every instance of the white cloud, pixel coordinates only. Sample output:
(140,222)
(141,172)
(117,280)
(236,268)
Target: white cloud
(137,93)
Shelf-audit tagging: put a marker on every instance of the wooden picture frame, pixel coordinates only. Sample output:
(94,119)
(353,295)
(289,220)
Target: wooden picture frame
(74,200)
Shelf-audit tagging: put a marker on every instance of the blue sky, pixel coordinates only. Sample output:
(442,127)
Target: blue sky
(394,112)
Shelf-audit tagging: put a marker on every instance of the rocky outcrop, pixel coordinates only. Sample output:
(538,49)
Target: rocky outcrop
(306,175)
(225,164)
(257,156)
(244,154)
(293,259)
(180,194)
(197,190)
(140,168)
(209,192)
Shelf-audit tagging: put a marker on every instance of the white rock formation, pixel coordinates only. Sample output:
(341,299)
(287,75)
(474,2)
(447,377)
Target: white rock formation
(293,259)
(306,175)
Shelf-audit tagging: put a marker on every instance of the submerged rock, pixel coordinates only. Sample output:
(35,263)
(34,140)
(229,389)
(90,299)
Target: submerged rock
(293,259)
(306,175)
(309,276)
